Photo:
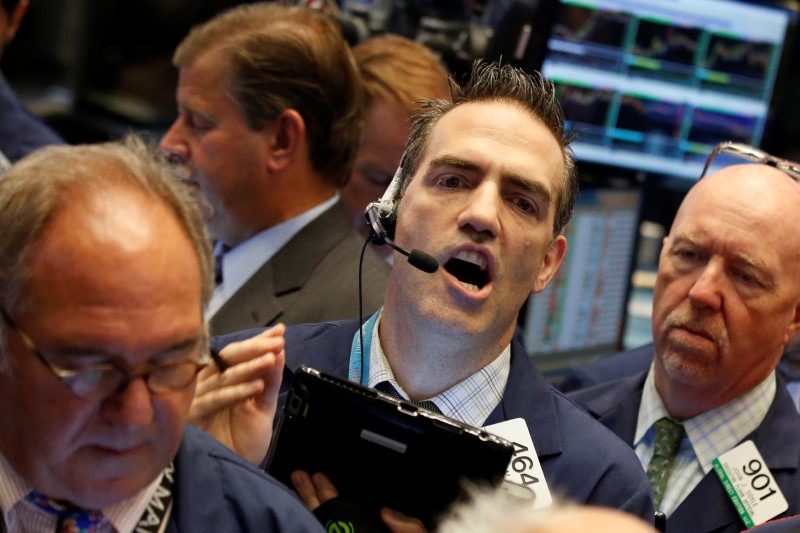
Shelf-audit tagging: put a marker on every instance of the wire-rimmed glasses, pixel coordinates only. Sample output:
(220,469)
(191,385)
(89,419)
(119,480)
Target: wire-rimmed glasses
(754,155)
(97,382)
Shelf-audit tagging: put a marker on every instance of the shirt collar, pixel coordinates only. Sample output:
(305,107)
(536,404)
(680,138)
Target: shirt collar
(123,516)
(713,432)
(242,261)
(471,400)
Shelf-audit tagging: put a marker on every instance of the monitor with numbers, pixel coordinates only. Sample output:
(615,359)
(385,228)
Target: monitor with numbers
(653,86)
(582,311)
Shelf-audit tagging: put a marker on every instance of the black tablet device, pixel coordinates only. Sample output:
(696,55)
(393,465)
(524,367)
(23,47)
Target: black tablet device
(379,451)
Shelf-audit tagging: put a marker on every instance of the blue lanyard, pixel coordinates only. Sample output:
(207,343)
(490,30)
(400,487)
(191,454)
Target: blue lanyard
(356,363)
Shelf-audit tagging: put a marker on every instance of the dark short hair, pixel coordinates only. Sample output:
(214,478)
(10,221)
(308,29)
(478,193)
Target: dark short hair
(289,57)
(491,82)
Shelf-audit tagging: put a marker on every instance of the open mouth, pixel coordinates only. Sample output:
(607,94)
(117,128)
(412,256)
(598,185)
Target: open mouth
(470,269)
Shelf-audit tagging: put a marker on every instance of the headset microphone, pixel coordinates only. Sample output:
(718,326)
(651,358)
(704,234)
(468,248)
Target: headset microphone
(417,258)
(382,217)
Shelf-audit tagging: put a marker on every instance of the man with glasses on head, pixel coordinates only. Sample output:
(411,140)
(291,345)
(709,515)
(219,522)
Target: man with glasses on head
(726,302)
(105,268)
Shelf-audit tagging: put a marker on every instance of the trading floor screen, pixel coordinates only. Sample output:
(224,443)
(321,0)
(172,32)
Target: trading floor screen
(653,85)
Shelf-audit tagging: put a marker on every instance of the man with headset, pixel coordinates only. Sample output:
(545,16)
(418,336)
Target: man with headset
(479,204)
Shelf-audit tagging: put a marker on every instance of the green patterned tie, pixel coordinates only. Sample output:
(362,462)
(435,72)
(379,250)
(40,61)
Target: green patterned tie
(668,438)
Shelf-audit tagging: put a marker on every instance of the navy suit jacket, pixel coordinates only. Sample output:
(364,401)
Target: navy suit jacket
(581,460)
(217,490)
(789,524)
(20,131)
(608,368)
(707,508)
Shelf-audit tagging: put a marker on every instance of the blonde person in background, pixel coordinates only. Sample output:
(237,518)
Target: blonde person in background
(397,73)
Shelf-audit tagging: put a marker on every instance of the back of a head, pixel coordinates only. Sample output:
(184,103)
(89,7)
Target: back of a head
(36,188)
(400,70)
(288,57)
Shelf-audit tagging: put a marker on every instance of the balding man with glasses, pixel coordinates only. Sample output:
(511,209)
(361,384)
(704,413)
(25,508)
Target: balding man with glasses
(713,426)
(105,268)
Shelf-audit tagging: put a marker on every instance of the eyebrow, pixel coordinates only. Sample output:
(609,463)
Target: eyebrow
(517,180)
(178,347)
(740,257)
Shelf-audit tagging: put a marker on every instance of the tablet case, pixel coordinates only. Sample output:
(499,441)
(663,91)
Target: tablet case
(380,451)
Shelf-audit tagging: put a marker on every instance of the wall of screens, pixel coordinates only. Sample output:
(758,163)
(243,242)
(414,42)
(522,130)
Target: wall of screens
(653,85)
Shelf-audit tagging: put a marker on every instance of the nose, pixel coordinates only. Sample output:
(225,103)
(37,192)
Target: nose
(481,214)
(173,145)
(706,290)
(131,406)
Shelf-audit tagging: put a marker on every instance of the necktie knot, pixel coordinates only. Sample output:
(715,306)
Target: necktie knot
(220,250)
(668,437)
(387,388)
(71,519)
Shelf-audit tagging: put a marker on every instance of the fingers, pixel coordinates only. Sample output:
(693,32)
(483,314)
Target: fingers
(258,358)
(400,523)
(325,489)
(268,341)
(313,490)
(305,489)
(213,401)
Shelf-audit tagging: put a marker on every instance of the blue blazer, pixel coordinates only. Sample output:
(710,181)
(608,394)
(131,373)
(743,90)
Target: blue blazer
(580,458)
(707,508)
(21,132)
(217,490)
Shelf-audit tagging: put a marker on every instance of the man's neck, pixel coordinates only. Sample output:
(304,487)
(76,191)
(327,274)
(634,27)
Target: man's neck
(427,359)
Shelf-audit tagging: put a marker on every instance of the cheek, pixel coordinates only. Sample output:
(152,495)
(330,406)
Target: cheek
(171,415)
(49,437)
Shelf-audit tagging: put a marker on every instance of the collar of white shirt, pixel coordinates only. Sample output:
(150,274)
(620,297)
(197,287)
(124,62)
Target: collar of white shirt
(242,261)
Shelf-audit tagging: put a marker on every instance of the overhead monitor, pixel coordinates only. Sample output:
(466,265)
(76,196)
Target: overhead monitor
(582,311)
(653,85)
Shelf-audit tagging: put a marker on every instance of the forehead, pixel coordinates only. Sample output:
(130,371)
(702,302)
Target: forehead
(748,212)
(499,134)
(205,78)
(121,248)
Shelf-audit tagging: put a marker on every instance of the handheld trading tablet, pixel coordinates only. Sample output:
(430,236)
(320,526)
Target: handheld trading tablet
(380,451)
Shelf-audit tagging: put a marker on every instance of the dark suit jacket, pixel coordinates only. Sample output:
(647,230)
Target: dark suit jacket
(789,524)
(20,131)
(608,368)
(707,508)
(216,490)
(580,458)
(313,278)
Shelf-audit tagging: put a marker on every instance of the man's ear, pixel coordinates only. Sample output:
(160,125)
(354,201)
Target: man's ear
(794,325)
(553,258)
(287,138)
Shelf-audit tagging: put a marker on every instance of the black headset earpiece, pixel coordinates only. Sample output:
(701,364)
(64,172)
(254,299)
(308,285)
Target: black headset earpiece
(382,218)
(382,214)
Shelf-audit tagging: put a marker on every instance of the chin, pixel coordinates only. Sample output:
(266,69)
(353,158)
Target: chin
(688,369)
(99,494)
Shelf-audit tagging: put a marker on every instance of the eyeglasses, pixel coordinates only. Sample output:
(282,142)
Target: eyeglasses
(748,153)
(97,382)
